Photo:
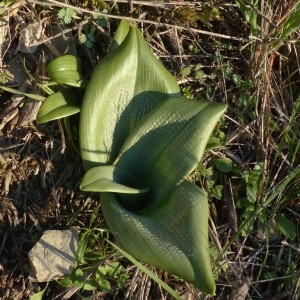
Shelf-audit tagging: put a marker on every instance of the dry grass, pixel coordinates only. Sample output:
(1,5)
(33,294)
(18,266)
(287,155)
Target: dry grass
(40,170)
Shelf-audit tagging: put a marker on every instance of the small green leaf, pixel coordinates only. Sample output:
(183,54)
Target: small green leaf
(91,37)
(253,180)
(198,67)
(104,284)
(90,285)
(237,79)
(186,71)
(66,69)
(102,21)
(79,282)
(66,14)
(78,273)
(228,72)
(82,38)
(122,280)
(217,57)
(66,282)
(223,164)
(89,44)
(286,226)
(218,191)
(100,272)
(110,179)
(213,143)
(113,268)
(200,74)
(94,216)
(14,91)
(81,248)
(39,295)
(249,14)
(59,105)
(61,13)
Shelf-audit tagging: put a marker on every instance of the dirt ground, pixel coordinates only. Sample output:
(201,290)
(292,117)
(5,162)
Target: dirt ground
(41,168)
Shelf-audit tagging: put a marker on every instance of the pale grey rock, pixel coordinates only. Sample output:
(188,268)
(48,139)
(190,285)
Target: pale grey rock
(54,255)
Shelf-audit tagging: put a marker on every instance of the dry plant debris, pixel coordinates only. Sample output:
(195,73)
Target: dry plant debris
(239,52)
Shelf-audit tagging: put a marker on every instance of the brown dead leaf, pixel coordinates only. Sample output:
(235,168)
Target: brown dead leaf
(241,292)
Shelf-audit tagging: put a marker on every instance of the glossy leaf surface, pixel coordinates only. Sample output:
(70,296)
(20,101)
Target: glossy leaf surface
(137,133)
(59,105)
(173,236)
(120,35)
(110,179)
(168,144)
(65,69)
(124,88)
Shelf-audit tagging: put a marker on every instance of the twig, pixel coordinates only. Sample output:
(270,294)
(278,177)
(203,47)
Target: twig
(252,6)
(62,137)
(62,33)
(34,220)
(83,10)
(160,4)
(3,241)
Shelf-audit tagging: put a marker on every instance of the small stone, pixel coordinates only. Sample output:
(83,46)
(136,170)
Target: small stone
(54,255)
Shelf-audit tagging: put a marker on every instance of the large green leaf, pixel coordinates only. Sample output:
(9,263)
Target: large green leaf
(147,272)
(124,87)
(169,143)
(173,237)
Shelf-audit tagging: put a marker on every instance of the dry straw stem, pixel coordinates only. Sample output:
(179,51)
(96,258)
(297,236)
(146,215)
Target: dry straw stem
(160,4)
(263,62)
(130,19)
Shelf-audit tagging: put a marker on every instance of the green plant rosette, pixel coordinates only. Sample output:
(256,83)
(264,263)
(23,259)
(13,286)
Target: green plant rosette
(139,140)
